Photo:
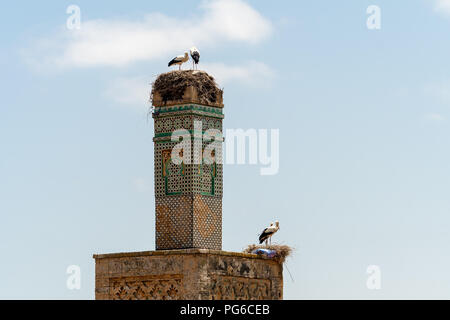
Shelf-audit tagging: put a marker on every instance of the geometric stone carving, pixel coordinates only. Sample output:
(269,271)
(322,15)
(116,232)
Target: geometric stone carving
(145,288)
(190,274)
(222,288)
(237,288)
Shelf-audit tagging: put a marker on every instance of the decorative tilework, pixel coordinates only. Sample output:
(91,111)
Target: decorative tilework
(189,195)
(174,222)
(191,107)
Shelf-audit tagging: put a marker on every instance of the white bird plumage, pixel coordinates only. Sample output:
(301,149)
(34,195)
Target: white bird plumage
(269,232)
(195,55)
(179,60)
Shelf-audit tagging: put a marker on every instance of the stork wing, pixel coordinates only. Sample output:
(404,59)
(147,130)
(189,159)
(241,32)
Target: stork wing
(173,61)
(265,234)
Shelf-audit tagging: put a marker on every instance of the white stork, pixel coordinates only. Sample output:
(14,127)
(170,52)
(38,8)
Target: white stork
(195,55)
(269,232)
(179,60)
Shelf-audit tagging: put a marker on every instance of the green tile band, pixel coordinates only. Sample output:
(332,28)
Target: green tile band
(189,107)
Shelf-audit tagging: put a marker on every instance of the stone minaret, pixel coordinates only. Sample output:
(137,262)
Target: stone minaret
(188,262)
(188,195)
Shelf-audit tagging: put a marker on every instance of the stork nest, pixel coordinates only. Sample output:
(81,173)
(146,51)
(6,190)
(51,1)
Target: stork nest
(172,85)
(282,251)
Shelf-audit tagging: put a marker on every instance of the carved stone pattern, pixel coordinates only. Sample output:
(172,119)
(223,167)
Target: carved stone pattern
(145,289)
(240,288)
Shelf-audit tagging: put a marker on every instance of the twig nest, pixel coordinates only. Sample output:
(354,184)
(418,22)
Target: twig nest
(276,252)
(171,86)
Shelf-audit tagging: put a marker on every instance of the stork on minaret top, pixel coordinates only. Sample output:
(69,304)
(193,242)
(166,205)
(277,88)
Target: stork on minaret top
(195,55)
(179,60)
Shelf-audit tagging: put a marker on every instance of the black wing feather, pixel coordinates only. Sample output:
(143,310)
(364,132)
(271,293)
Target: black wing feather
(264,235)
(174,60)
(196,57)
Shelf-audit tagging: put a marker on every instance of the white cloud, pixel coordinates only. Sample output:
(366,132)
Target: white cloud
(435,117)
(443,6)
(104,42)
(252,73)
(132,91)
(234,20)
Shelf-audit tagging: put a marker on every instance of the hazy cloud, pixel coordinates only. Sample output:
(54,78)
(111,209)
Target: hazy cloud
(443,6)
(435,117)
(251,73)
(131,91)
(135,91)
(105,42)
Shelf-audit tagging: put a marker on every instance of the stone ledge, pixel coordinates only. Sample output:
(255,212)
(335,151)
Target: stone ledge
(180,252)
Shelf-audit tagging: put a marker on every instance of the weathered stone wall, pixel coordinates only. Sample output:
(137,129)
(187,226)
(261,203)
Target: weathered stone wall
(194,274)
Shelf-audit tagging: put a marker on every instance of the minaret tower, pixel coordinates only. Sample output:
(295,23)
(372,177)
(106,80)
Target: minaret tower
(188,195)
(188,262)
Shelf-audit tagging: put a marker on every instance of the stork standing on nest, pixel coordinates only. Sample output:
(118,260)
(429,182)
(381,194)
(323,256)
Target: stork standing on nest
(269,232)
(195,55)
(179,60)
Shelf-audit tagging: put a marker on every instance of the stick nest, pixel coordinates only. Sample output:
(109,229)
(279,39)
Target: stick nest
(172,85)
(282,251)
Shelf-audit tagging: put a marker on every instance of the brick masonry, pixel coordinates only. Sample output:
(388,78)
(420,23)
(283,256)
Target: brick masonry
(193,274)
(188,196)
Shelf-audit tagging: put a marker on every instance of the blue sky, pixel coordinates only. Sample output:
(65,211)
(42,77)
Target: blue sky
(363,118)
